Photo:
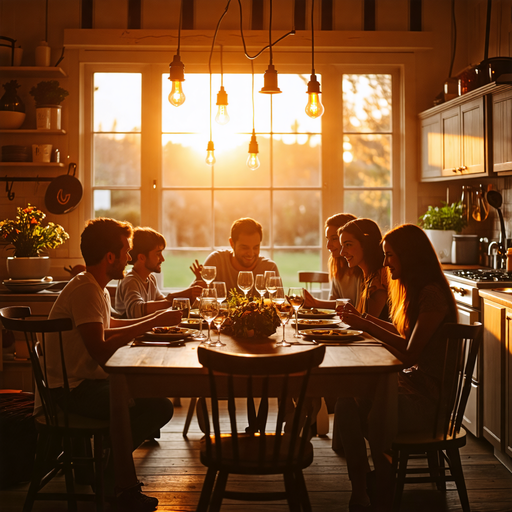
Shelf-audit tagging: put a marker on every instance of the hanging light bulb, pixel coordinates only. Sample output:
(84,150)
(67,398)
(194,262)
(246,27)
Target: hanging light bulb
(210,153)
(176,76)
(314,108)
(222,116)
(270,76)
(253,162)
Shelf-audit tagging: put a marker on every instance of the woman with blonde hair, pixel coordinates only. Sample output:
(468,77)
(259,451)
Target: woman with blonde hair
(421,303)
(345,281)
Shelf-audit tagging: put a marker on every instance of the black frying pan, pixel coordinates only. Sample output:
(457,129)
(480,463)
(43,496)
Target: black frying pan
(64,192)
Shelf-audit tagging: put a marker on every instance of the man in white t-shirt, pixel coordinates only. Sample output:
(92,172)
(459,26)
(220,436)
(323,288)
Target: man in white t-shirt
(138,294)
(105,245)
(245,241)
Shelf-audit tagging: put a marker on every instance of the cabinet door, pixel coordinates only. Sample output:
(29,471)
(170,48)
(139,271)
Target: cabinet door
(493,342)
(431,146)
(472,136)
(450,136)
(508,384)
(502,131)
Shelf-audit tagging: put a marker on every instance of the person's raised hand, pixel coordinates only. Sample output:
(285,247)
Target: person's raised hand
(196,268)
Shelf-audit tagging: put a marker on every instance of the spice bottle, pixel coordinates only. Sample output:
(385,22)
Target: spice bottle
(509,259)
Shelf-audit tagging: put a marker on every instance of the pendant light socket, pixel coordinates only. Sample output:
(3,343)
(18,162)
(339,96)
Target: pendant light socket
(176,70)
(313,85)
(270,81)
(253,145)
(222,97)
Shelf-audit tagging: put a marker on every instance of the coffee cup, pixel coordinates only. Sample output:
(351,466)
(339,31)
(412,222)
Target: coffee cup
(41,153)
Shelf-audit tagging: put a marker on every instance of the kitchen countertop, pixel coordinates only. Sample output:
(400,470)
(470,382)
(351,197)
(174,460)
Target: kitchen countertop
(505,299)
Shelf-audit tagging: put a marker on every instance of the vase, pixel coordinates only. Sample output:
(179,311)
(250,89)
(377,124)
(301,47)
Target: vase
(35,267)
(49,117)
(442,243)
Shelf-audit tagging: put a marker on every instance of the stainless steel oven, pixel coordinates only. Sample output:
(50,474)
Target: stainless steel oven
(465,285)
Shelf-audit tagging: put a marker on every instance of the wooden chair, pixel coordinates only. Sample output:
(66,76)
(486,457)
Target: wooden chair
(310,278)
(57,429)
(462,344)
(259,449)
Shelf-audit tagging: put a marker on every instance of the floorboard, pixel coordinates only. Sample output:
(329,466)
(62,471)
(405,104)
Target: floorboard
(171,471)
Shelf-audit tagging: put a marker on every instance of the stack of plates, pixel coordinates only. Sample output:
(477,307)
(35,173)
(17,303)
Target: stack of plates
(28,285)
(16,154)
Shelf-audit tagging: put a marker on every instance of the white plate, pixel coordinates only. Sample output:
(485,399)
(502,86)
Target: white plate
(317,313)
(320,323)
(166,336)
(27,285)
(340,335)
(193,323)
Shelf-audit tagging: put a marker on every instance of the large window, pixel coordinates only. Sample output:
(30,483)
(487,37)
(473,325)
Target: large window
(148,166)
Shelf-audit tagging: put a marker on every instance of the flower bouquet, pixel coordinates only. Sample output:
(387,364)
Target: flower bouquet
(251,318)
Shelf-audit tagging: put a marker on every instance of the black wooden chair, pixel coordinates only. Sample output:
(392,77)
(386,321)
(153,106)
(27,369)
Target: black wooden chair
(260,449)
(443,445)
(57,430)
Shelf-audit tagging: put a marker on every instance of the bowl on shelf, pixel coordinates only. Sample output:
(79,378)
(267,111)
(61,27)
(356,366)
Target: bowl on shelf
(10,120)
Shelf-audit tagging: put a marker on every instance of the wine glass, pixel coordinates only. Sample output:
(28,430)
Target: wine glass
(272,283)
(223,314)
(208,293)
(296,299)
(220,288)
(245,281)
(284,312)
(208,274)
(259,284)
(208,309)
(268,274)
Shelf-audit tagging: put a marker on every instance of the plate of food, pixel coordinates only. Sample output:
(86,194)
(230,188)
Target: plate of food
(340,335)
(165,334)
(193,323)
(317,313)
(304,323)
(27,285)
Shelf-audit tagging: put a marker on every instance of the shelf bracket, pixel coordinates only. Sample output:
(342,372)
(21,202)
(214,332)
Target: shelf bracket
(8,190)
(11,180)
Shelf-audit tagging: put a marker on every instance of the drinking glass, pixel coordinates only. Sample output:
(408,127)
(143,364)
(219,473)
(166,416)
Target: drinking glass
(296,299)
(220,288)
(208,309)
(208,274)
(183,304)
(223,314)
(208,293)
(259,284)
(245,281)
(284,312)
(268,274)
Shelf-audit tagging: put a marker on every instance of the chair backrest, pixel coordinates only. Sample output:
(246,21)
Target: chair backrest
(461,350)
(309,278)
(17,318)
(281,376)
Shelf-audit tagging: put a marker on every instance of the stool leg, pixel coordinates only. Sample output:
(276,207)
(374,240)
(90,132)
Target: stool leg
(190,413)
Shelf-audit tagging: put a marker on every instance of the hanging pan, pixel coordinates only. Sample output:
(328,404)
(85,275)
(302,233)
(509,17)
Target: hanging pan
(64,192)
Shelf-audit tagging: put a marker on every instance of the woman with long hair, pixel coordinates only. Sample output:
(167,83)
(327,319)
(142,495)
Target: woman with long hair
(345,282)
(360,241)
(421,303)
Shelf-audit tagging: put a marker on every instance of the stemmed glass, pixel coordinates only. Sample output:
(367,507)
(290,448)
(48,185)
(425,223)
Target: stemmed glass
(296,299)
(208,274)
(284,311)
(272,284)
(259,284)
(208,309)
(208,293)
(223,314)
(269,274)
(183,304)
(220,288)
(245,281)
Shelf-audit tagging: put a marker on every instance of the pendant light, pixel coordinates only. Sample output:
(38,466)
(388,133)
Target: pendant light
(314,108)
(222,116)
(210,155)
(253,162)
(270,77)
(177,72)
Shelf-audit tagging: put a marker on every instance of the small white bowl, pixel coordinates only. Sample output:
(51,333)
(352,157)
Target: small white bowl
(10,120)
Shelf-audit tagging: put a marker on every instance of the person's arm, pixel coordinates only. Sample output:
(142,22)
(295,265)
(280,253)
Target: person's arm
(102,343)
(190,293)
(377,301)
(312,302)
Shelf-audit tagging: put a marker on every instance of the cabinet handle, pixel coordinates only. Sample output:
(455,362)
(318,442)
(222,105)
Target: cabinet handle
(455,169)
(461,291)
(463,168)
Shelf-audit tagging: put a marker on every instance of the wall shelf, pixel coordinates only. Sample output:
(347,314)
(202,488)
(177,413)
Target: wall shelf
(31,71)
(35,132)
(32,164)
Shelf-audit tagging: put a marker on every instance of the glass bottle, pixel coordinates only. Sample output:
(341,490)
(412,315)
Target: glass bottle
(466,201)
(480,209)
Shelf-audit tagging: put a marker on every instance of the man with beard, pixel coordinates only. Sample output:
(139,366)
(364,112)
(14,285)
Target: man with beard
(245,241)
(138,294)
(105,245)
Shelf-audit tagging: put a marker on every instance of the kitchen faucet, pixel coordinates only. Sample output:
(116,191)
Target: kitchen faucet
(497,259)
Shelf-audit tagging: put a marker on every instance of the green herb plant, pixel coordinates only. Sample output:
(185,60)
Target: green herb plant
(444,218)
(48,93)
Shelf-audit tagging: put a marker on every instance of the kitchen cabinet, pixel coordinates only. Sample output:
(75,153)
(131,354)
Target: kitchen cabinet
(431,146)
(502,130)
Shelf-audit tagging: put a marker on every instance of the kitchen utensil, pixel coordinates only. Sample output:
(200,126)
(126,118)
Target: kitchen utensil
(480,206)
(495,199)
(64,192)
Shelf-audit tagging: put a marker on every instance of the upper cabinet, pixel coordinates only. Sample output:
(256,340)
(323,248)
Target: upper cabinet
(456,136)
(502,130)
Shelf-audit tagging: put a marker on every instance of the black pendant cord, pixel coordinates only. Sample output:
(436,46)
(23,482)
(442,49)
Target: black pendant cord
(454,38)
(270,33)
(312,38)
(46,23)
(252,74)
(179,28)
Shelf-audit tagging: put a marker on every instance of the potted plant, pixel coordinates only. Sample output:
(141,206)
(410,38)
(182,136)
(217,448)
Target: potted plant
(48,96)
(12,108)
(440,224)
(29,237)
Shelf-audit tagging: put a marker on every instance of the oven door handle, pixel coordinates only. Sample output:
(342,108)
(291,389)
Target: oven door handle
(461,291)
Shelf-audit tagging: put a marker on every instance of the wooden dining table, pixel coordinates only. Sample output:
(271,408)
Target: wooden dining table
(359,367)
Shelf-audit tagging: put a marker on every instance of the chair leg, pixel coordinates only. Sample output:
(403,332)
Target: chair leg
(190,414)
(206,491)
(442,471)
(458,475)
(98,470)
(218,492)
(403,457)
(42,449)
(433,467)
(68,474)
(303,491)
(291,492)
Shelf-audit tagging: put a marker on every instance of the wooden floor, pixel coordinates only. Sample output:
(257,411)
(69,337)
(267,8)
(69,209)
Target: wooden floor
(171,471)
